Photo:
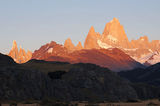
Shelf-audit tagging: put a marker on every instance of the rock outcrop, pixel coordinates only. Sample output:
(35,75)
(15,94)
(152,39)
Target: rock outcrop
(114,34)
(19,56)
(79,46)
(50,49)
(69,45)
(91,39)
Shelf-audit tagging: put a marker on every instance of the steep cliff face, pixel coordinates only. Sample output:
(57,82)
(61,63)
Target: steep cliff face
(91,39)
(79,46)
(69,45)
(19,56)
(114,36)
(14,51)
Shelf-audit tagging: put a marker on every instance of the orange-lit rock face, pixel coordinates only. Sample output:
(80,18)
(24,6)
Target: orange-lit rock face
(69,45)
(114,59)
(114,34)
(114,37)
(50,49)
(14,51)
(19,56)
(79,46)
(91,40)
(142,43)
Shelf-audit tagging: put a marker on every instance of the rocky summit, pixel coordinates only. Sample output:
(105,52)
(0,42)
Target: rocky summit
(19,56)
(114,36)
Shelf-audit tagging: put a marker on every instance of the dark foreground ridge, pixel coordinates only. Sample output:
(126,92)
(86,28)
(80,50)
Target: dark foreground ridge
(145,81)
(37,80)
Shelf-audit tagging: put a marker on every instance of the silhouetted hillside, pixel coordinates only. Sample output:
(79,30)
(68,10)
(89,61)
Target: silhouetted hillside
(38,80)
(82,82)
(150,75)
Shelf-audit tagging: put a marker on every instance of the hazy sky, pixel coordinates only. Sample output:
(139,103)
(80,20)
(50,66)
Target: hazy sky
(33,23)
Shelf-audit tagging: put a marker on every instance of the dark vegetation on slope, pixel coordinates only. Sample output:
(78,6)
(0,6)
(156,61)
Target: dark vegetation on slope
(150,75)
(75,82)
(37,80)
(145,81)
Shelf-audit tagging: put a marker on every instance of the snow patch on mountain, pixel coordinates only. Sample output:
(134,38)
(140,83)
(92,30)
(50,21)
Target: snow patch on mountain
(111,38)
(144,58)
(150,50)
(103,45)
(155,59)
(130,49)
(142,39)
(50,50)
(151,58)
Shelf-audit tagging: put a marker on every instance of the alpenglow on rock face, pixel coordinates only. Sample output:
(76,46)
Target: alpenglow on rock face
(114,59)
(19,56)
(114,36)
(70,46)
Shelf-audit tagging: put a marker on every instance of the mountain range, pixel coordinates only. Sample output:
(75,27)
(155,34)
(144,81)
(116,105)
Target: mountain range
(110,49)
(67,73)
(113,58)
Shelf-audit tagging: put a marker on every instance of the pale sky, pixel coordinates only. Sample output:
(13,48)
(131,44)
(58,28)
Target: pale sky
(33,23)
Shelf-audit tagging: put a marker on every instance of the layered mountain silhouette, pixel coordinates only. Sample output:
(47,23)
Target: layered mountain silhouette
(146,81)
(95,44)
(149,75)
(19,56)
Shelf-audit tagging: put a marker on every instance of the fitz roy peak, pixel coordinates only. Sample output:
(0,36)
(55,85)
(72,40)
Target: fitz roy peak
(114,36)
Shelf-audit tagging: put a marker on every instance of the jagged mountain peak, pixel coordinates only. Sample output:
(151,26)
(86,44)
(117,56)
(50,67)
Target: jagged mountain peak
(69,45)
(143,38)
(114,20)
(14,45)
(91,31)
(68,40)
(19,56)
(79,46)
(79,43)
(91,39)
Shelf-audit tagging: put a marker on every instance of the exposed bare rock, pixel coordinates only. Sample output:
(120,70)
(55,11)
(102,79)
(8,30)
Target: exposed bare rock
(19,56)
